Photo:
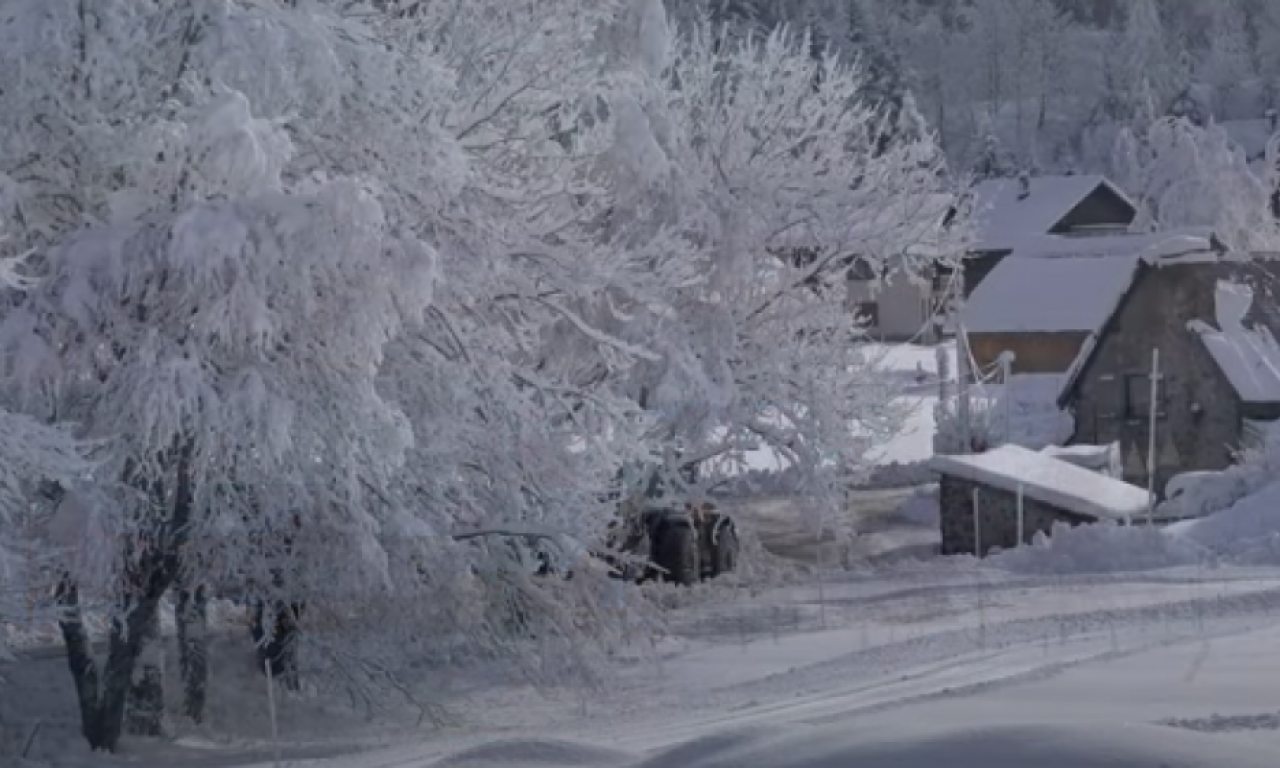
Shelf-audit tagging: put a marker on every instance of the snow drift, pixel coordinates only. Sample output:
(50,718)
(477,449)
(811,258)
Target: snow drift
(1002,746)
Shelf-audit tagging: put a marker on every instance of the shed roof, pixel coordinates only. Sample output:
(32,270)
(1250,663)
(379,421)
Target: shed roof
(1003,218)
(1049,480)
(1249,357)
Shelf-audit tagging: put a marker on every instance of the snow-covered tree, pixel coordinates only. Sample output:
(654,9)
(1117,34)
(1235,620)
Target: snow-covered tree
(1182,174)
(31,452)
(215,300)
(766,160)
(1227,67)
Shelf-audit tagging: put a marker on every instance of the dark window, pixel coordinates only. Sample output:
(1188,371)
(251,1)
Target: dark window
(1137,397)
(868,312)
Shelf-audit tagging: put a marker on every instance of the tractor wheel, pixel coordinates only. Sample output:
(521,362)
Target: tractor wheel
(678,554)
(724,553)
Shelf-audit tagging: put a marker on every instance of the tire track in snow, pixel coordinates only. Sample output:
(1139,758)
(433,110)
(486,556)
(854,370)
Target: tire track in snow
(953,663)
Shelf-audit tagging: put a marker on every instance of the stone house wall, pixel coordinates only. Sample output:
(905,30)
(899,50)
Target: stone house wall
(1199,421)
(998,512)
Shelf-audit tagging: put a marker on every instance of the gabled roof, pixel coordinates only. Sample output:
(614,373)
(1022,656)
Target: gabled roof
(1004,219)
(1066,284)
(1180,249)
(1047,479)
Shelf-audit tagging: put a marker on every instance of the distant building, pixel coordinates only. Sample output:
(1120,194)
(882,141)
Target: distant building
(1219,371)
(1047,297)
(1007,213)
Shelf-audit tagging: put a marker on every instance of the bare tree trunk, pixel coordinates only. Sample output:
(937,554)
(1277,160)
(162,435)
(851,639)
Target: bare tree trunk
(84,670)
(102,699)
(277,643)
(144,713)
(193,660)
(129,634)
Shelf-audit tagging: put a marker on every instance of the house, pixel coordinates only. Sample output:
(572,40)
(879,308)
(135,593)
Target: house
(902,298)
(1216,372)
(1007,213)
(991,486)
(896,305)
(1048,296)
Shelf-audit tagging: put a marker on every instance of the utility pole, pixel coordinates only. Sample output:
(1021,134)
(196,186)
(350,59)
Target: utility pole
(1151,435)
(1007,359)
(963,370)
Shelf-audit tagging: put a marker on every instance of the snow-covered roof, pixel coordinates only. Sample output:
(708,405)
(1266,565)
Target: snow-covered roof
(1248,357)
(1003,218)
(1057,283)
(1040,295)
(1175,241)
(1048,480)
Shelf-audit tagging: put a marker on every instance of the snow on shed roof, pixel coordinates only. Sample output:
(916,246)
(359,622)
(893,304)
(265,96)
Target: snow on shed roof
(1048,480)
(1248,357)
(1003,219)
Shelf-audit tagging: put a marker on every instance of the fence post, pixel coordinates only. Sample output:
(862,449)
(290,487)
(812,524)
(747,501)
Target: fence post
(977,526)
(1021,517)
(271,709)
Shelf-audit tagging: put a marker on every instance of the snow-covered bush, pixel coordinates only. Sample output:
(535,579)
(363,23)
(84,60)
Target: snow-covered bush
(1098,548)
(1196,494)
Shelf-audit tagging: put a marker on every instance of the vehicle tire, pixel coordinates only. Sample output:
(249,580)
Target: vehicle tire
(678,553)
(724,552)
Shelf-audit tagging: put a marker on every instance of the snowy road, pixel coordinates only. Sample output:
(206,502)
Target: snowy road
(1174,647)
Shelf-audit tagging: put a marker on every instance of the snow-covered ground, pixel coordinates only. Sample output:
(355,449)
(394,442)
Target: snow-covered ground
(915,442)
(902,665)
(1000,670)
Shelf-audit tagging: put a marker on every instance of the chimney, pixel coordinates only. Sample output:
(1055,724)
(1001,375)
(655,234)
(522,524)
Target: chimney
(1024,185)
(1273,118)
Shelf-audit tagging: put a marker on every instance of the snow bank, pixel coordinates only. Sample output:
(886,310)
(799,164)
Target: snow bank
(1196,494)
(1094,549)
(1092,745)
(1247,533)
(533,754)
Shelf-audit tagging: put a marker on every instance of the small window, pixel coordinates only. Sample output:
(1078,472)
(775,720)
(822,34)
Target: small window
(1137,397)
(868,312)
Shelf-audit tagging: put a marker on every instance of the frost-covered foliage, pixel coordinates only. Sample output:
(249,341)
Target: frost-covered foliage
(361,304)
(768,164)
(31,453)
(1182,174)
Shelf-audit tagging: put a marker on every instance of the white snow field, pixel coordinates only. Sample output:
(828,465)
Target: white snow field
(898,667)
(984,669)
